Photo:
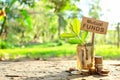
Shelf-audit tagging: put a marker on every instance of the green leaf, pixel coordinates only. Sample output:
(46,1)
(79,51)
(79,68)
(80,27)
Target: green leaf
(67,35)
(28,20)
(75,24)
(74,41)
(12,3)
(84,35)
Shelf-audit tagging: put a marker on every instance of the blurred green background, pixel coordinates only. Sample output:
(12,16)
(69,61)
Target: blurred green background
(31,29)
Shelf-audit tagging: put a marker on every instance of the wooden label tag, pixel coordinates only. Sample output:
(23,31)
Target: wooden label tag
(94,25)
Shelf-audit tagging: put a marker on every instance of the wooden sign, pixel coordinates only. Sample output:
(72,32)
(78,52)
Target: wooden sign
(94,25)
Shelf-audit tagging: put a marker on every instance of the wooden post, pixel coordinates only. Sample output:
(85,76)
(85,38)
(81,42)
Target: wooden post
(93,35)
(92,53)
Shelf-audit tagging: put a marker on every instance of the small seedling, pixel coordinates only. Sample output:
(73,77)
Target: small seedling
(75,36)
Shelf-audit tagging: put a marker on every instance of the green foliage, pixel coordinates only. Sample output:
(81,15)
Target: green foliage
(40,52)
(48,50)
(95,9)
(74,41)
(3,45)
(107,51)
(84,35)
(41,23)
(27,18)
(30,3)
(18,20)
(76,37)
(60,8)
(67,35)
(75,26)
(62,21)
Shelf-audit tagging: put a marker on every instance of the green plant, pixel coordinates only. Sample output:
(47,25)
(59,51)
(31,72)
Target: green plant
(75,36)
(3,44)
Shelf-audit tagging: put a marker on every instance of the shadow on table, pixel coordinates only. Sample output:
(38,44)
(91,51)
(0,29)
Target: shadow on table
(64,76)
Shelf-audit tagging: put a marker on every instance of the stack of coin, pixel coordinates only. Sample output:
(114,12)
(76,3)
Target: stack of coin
(92,70)
(85,72)
(104,72)
(98,63)
(99,67)
(98,60)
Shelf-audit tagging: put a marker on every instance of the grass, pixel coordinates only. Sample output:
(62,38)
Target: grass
(40,51)
(108,51)
(52,50)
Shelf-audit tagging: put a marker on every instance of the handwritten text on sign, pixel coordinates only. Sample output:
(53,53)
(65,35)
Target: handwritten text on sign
(94,25)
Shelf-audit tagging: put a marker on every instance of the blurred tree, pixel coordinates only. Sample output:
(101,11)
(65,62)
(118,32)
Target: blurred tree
(15,12)
(95,9)
(60,7)
(44,22)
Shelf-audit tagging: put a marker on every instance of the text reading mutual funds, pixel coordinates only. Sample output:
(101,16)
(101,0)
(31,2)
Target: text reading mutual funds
(93,25)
